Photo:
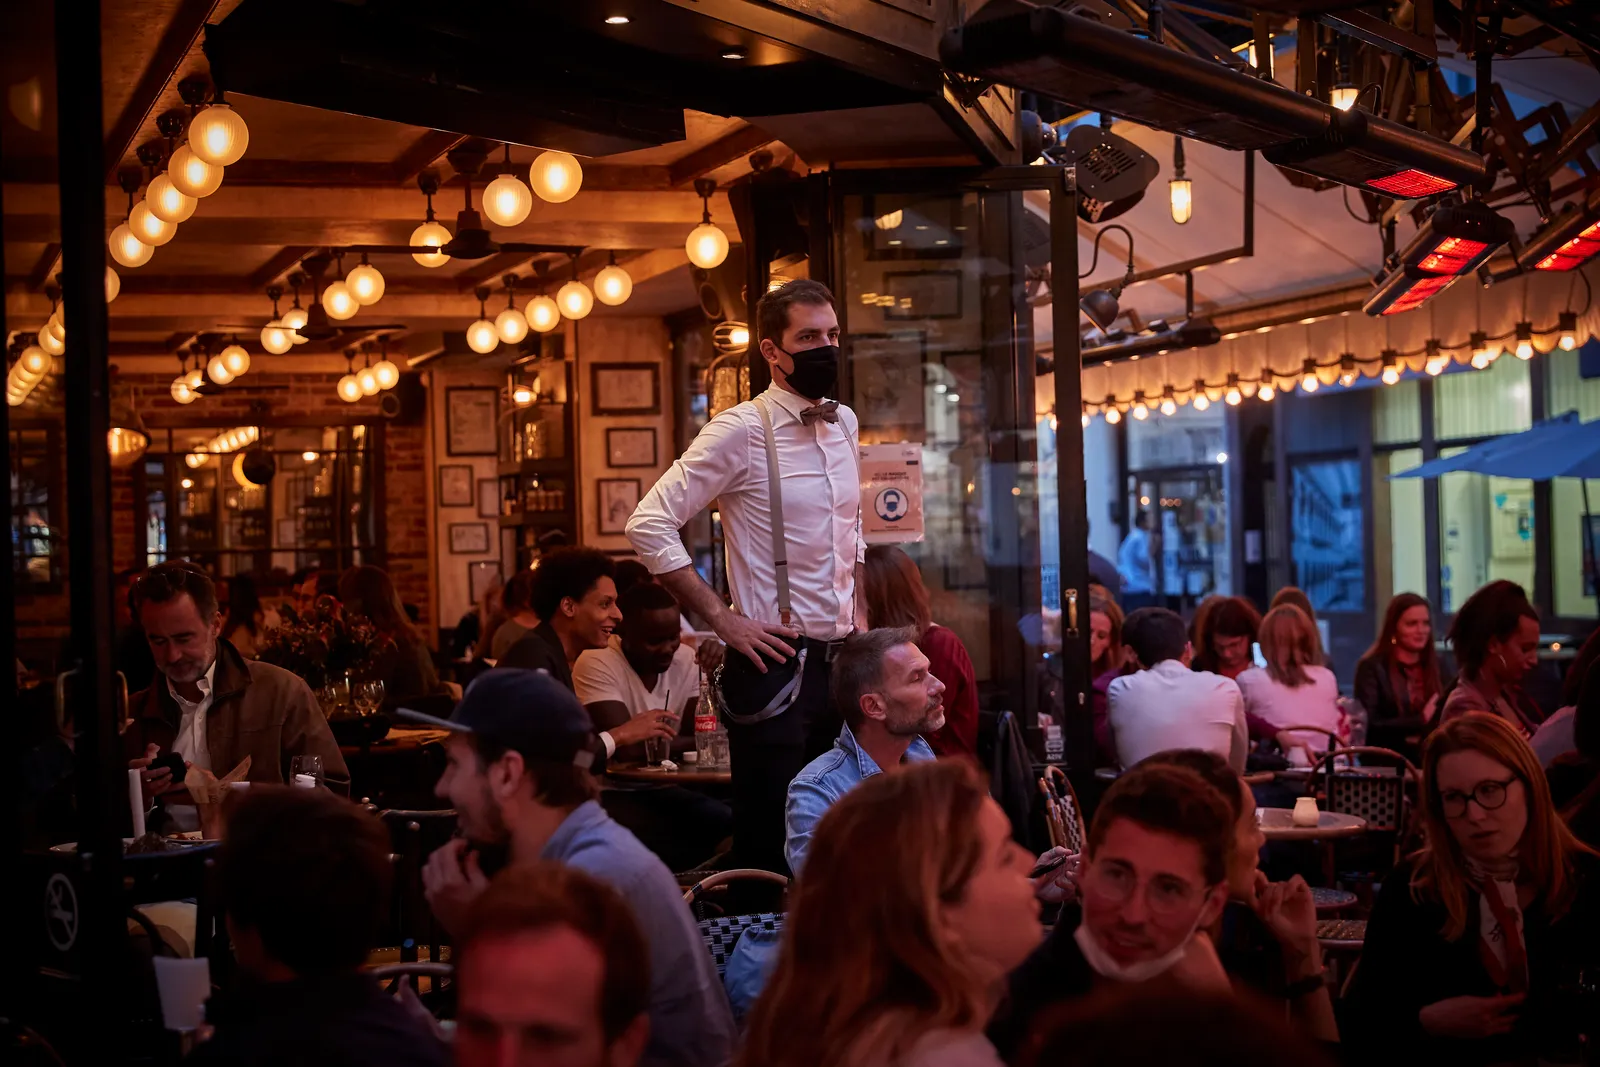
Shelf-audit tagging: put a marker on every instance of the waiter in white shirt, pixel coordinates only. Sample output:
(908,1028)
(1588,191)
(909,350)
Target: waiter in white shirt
(814,447)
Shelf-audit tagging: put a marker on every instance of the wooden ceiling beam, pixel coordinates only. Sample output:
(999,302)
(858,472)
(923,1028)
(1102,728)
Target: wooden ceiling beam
(729,148)
(423,153)
(281,261)
(179,38)
(44,266)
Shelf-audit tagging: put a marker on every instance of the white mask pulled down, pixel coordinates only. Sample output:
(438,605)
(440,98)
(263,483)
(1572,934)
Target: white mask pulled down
(1106,967)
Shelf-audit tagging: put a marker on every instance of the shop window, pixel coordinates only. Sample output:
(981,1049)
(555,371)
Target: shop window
(1186,438)
(1397,414)
(1326,533)
(1486,533)
(36,533)
(1571,569)
(1473,404)
(1400,562)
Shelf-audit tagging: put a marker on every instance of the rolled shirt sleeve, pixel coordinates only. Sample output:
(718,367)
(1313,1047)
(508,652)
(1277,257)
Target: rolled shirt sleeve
(716,462)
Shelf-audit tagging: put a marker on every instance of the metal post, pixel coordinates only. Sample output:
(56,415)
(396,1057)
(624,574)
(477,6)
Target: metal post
(101,770)
(11,846)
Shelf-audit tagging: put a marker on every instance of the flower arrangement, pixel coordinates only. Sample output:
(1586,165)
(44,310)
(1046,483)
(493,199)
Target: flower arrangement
(325,644)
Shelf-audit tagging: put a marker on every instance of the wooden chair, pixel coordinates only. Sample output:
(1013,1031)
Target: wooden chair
(1333,738)
(1381,799)
(706,897)
(1063,815)
(720,931)
(414,836)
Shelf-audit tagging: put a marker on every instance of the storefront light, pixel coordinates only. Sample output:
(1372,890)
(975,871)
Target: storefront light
(1568,325)
(1309,382)
(1524,340)
(1266,393)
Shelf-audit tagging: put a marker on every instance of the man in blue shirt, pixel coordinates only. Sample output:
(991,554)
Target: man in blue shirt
(1136,565)
(518,776)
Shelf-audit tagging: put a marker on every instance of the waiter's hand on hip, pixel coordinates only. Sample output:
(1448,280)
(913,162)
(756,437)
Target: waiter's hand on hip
(754,639)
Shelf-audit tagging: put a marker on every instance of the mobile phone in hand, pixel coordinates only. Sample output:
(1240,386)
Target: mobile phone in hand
(172,762)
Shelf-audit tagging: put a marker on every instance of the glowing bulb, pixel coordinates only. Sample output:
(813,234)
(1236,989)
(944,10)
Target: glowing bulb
(1181,191)
(35,361)
(187,483)
(1141,412)
(1391,375)
(338,301)
(181,391)
(1524,349)
(367,378)
(1169,406)
(166,203)
(1343,97)
(113,284)
(1481,359)
(1222,457)
(1266,392)
(191,175)
(707,246)
(236,359)
(149,229)
(1233,397)
(388,374)
(309,456)
(195,379)
(575,299)
(1085,419)
(276,339)
(349,389)
(295,318)
(217,370)
(50,343)
(522,396)
(556,177)
(542,313)
(613,285)
(1201,402)
(219,136)
(365,284)
(739,337)
(507,201)
(434,235)
(1113,416)
(482,337)
(511,325)
(1309,383)
(1436,366)
(127,249)
(196,460)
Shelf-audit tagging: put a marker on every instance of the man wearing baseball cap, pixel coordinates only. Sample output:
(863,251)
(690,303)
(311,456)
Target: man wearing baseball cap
(518,775)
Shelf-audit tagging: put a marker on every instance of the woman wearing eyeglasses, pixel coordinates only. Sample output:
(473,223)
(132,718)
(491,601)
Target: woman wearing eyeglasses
(1479,943)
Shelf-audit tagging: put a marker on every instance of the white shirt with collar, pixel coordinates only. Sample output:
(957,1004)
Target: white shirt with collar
(191,742)
(821,486)
(1170,706)
(604,674)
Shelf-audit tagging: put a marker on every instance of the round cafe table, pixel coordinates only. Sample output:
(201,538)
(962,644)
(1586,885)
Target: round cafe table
(686,774)
(1277,824)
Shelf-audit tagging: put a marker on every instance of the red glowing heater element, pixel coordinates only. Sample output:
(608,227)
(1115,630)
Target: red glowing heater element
(1406,289)
(1573,252)
(1454,255)
(1411,184)
(1455,240)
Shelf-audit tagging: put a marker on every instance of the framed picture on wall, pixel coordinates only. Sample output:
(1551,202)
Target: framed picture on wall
(471,420)
(488,498)
(624,389)
(631,446)
(481,576)
(616,499)
(469,538)
(922,294)
(455,485)
(886,379)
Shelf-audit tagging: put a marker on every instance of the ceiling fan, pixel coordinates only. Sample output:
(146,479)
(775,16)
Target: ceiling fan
(318,325)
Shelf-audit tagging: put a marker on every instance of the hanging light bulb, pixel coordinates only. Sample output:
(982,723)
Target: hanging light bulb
(511,325)
(295,318)
(113,284)
(339,302)
(217,370)
(707,245)
(181,392)
(1169,406)
(50,343)
(195,379)
(1483,353)
(364,283)
(1201,401)
(1391,367)
(349,389)
(1180,190)
(236,359)
(1113,416)
(1343,96)
(127,249)
(148,228)
(506,200)
(522,395)
(166,202)
(191,175)
(542,313)
(388,374)
(1140,412)
(1567,323)
(434,235)
(613,285)
(276,339)
(575,299)
(367,379)
(35,361)
(1266,392)
(482,337)
(1308,380)
(555,176)
(218,135)
(1524,340)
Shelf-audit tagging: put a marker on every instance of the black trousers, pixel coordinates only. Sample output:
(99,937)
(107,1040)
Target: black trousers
(766,756)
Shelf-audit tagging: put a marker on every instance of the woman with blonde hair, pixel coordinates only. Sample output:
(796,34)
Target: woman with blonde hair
(1476,942)
(914,906)
(1293,689)
(1108,661)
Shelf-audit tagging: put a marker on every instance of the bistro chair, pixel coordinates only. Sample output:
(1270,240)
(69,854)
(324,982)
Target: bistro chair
(439,976)
(1333,739)
(415,835)
(708,897)
(1378,795)
(1063,814)
(720,931)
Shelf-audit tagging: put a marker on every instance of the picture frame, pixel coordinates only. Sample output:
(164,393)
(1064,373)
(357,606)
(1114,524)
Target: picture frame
(488,498)
(472,420)
(624,389)
(455,485)
(469,538)
(913,226)
(886,379)
(615,499)
(922,294)
(631,446)
(481,576)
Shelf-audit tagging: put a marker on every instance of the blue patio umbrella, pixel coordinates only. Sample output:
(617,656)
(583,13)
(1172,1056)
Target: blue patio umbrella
(1562,447)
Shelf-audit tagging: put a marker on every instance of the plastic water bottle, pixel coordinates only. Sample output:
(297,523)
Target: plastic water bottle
(710,737)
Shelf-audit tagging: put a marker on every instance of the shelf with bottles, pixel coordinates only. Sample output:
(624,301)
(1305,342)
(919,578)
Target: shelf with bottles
(535,499)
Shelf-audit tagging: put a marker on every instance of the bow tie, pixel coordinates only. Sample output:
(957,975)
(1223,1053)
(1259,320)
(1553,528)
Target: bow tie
(827,412)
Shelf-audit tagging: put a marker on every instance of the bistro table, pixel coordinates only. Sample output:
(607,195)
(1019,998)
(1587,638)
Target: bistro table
(686,774)
(1277,824)
(400,769)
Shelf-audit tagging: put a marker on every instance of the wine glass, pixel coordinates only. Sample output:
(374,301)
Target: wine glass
(368,696)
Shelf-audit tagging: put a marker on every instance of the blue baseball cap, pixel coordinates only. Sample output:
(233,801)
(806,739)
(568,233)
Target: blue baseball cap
(527,711)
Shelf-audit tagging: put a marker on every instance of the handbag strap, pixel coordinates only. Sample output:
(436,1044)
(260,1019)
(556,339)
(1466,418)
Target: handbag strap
(780,553)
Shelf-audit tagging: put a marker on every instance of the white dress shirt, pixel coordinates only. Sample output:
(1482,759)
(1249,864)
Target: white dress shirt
(1314,704)
(821,484)
(603,674)
(191,740)
(1170,706)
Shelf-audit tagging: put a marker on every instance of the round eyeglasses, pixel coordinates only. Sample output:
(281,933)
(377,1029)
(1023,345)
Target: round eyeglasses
(1489,794)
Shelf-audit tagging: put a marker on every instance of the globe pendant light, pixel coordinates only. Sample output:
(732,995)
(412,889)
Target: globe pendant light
(388,374)
(349,388)
(430,233)
(511,324)
(195,379)
(613,285)
(217,370)
(191,175)
(51,344)
(275,336)
(149,229)
(127,249)
(55,328)
(482,337)
(235,358)
(707,245)
(35,361)
(218,135)
(574,299)
(296,318)
(555,176)
(542,313)
(506,200)
(338,301)
(368,380)
(166,203)
(113,284)
(181,392)
(365,283)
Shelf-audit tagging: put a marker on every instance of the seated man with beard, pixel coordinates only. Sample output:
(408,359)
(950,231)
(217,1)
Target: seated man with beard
(518,777)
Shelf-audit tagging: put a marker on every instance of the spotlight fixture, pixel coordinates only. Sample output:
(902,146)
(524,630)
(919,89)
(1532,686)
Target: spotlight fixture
(482,337)
(191,175)
(506,200)
(218,135)
(1180,189)
(574,298)
(1524,340)
(511,324)
(1100,305)
(364,282)
(555,177)
(707,245)
(1569,241)
(430,234)
(613,285)
(1567,323)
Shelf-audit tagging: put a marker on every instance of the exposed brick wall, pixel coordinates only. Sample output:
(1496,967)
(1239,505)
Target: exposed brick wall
(44,618)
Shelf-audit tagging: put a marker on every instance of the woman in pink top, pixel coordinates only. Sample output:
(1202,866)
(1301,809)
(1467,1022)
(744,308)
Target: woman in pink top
(1293,689)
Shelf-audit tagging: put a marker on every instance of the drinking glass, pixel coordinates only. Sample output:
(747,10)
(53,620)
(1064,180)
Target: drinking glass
(656,749)
(309,765)
(369,696)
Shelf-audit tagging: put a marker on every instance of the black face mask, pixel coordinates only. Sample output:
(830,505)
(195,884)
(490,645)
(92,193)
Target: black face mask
(815,370)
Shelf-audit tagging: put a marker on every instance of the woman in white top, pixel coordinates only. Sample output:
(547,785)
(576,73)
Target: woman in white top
(1293,689)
